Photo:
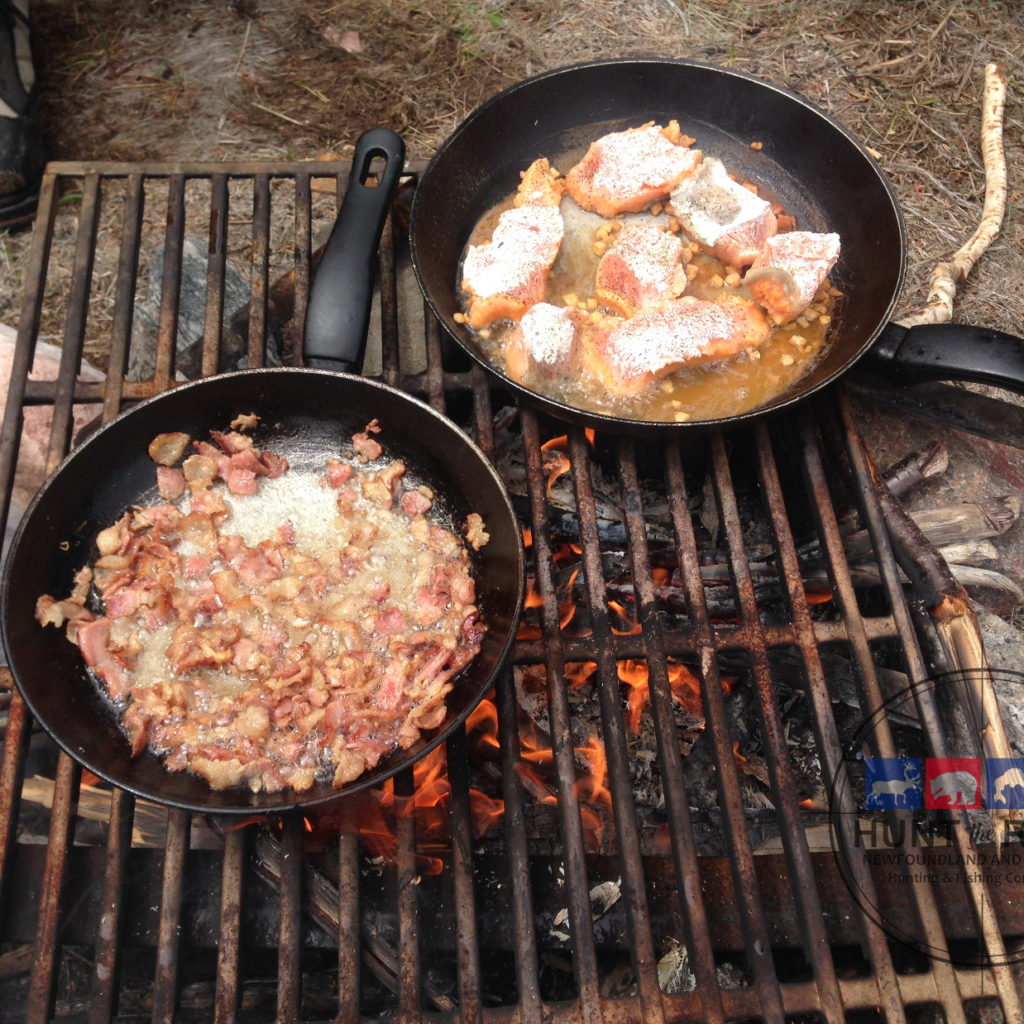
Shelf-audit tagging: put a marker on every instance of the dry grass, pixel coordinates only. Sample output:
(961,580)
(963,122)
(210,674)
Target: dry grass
(187,80)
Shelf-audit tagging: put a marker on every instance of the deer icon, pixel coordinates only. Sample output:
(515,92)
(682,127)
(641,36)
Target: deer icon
(896,788)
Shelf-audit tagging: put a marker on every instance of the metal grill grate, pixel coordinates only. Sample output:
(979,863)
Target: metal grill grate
(575,905)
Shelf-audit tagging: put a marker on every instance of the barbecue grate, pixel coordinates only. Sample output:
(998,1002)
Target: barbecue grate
(506,893)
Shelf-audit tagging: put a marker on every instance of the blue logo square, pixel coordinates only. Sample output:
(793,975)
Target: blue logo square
(1005,782)
(892,782)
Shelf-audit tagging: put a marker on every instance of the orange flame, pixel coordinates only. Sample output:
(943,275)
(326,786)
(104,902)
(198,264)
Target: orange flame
(626,616)
(485,811)
(558,464)
(577,673)
(593,788)
(685,687)
(482,724)
(533,598)
(567,609)
(636,676)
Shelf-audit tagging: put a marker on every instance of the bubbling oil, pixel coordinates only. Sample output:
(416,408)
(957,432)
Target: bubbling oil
(717,390)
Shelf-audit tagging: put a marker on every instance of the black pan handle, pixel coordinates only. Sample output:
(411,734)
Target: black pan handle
(338,312)
(909,355)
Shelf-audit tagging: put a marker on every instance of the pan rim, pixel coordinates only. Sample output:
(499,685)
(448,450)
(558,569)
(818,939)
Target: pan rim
(287,800)
(638,427)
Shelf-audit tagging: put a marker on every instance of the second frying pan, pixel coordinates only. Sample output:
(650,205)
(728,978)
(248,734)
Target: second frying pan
(803,157)
(305,414)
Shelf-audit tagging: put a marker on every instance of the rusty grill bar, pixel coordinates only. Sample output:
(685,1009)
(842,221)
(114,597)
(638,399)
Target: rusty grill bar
(259,922)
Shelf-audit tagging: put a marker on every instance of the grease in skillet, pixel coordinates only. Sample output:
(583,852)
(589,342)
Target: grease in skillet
(269,627)
(740,354)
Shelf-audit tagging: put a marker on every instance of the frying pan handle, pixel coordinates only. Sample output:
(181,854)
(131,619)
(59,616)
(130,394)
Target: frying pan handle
(948,352)
(338,312)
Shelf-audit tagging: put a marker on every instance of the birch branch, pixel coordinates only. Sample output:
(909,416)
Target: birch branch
(948,274)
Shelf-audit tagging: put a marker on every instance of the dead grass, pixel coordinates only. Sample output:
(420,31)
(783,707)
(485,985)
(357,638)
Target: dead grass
(177,80)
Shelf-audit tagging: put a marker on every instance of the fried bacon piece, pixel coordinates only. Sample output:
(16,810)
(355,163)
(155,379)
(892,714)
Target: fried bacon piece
(626,171)
(167,449)
(258,663)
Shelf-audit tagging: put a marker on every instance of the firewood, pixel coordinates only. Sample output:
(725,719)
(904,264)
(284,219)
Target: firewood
(956,625)
(952,524)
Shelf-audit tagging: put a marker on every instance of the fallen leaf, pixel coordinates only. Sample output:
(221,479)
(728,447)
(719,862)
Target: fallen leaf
(347,40)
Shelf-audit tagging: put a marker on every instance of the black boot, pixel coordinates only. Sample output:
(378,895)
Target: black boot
(21,147)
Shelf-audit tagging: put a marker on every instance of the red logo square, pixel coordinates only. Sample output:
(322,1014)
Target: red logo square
(952,782)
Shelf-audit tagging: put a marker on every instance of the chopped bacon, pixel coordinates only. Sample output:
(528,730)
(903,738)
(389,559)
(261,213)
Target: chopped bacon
(245,421)
(276,465)
(415,503)
(392,685)
(170,482)
(259,664)
(390,622)
(115,539)
(366,448)
(55,613)
(128,600)
(338,473)
(167,449)
(200,471)
(94,643)
(232,441)
(476,535)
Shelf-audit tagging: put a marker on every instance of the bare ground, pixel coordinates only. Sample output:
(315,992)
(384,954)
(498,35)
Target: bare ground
(180,79)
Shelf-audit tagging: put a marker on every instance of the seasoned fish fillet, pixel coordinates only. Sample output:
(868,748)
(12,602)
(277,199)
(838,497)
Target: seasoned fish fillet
(722,215)
(670,335)
(506,276)
(641,267)
(625,171)
(786,276)
(544,344)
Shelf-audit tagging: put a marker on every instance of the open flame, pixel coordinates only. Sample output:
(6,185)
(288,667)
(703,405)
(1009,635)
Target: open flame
(685,687)
(557,460)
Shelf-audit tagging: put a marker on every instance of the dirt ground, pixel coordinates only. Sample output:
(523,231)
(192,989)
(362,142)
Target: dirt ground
(250,79)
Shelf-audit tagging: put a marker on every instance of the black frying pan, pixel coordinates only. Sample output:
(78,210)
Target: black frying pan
(819,172)
(305,414)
